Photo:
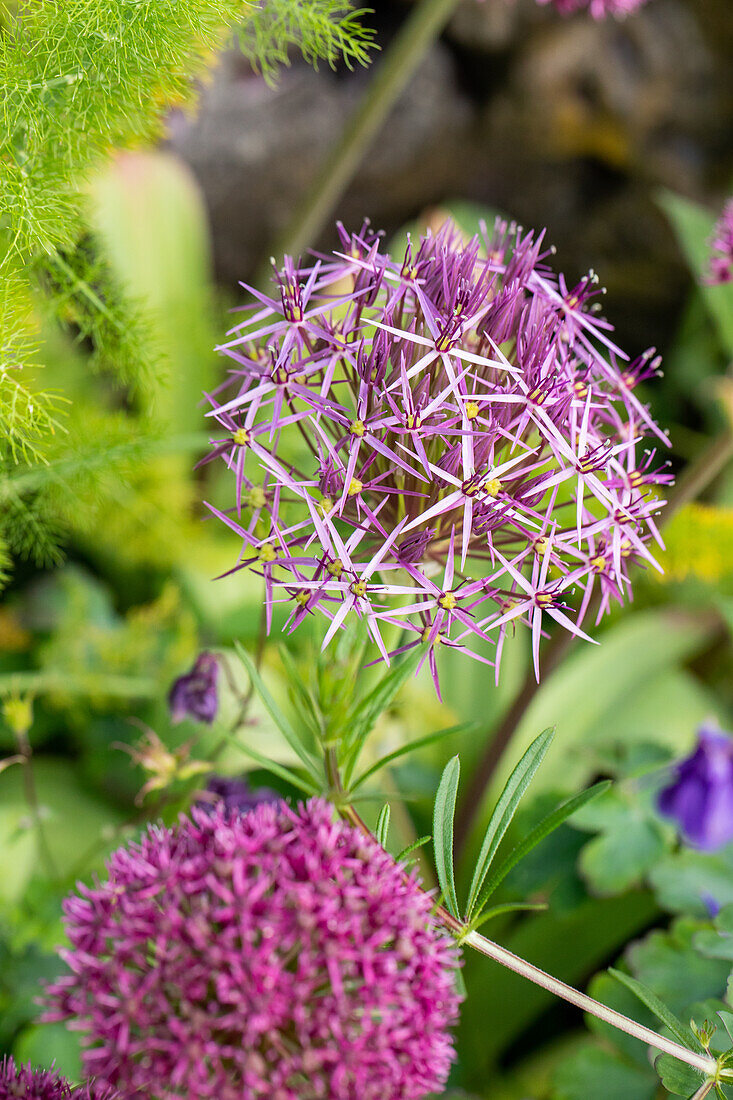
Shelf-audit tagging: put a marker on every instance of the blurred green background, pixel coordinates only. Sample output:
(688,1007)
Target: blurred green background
(122,597)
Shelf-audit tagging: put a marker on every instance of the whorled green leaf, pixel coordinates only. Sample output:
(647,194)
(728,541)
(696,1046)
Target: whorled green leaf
(505,809)
(443,817)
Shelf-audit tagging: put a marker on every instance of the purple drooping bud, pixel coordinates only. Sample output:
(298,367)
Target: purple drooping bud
(235,794)
(195,694)
(24,1083)
(700,798)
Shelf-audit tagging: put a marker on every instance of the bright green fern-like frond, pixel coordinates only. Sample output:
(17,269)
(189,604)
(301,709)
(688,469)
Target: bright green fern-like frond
(323,30)
(87,300)
(28,417)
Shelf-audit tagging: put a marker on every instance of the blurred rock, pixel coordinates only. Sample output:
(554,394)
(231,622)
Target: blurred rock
(256,149)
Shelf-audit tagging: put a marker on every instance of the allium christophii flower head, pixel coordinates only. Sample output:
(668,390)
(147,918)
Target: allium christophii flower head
(700,798)
(24,1083)
(451,443)
(599,9)
(195,694)
(276,954)
(721,246)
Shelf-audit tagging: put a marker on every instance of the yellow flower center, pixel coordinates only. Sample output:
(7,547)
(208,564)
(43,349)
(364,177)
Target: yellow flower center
(472,410)
(240,437)
(267,553)
(447,601)
(492,487)
(357,428)
(355,487)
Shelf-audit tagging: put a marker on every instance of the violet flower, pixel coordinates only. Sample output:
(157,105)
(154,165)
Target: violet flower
(720,268)
(278,953)
(24,1083)
(451,444)
(700,798)
(195,695)
(599,9)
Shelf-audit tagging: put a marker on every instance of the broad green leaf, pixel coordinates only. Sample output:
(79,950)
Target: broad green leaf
(546,826)
(505,809)
(667,962)
(649,998)
(596,1074)
(683,880)
(419,743)
(630,842)
(280,720)
(443,816)
(693,226)
(678,1078)
(381,830)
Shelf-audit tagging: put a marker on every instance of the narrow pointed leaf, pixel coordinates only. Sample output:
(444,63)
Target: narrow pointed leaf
(382,829)
(306,785)
(419,743)
(546,826)
(413,847)
(505,810)
(443,817)
(280,720)
(376,702)
(647,997)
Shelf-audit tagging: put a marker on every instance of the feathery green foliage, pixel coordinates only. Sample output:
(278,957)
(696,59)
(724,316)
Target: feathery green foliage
(322,29)
(80,79)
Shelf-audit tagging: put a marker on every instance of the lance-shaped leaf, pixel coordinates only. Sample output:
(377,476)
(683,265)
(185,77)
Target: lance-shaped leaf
(443,816)
(505,810)
(419,743)
(381,830)
(376,702)
(309,761)
(546,826)
(681,1032)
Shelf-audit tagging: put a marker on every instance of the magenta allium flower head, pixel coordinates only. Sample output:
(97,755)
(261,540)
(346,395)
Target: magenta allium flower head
(721,246)
(24,1083)
(599,9)
(276,954)
(700,797)
(451,443)
(195,694)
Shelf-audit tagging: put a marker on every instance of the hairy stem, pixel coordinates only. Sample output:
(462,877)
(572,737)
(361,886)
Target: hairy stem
(702,1062)
(415,37)
(696,478)
(501,955)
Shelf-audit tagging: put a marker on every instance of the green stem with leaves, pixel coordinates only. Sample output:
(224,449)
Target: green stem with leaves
(412,42)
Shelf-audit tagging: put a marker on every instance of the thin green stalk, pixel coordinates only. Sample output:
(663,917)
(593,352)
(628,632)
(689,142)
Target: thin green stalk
(414,38)
(702,1062)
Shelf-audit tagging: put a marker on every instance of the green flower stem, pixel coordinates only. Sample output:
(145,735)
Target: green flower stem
(414,38)
(508,959)
(702,1062)
(698,475)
